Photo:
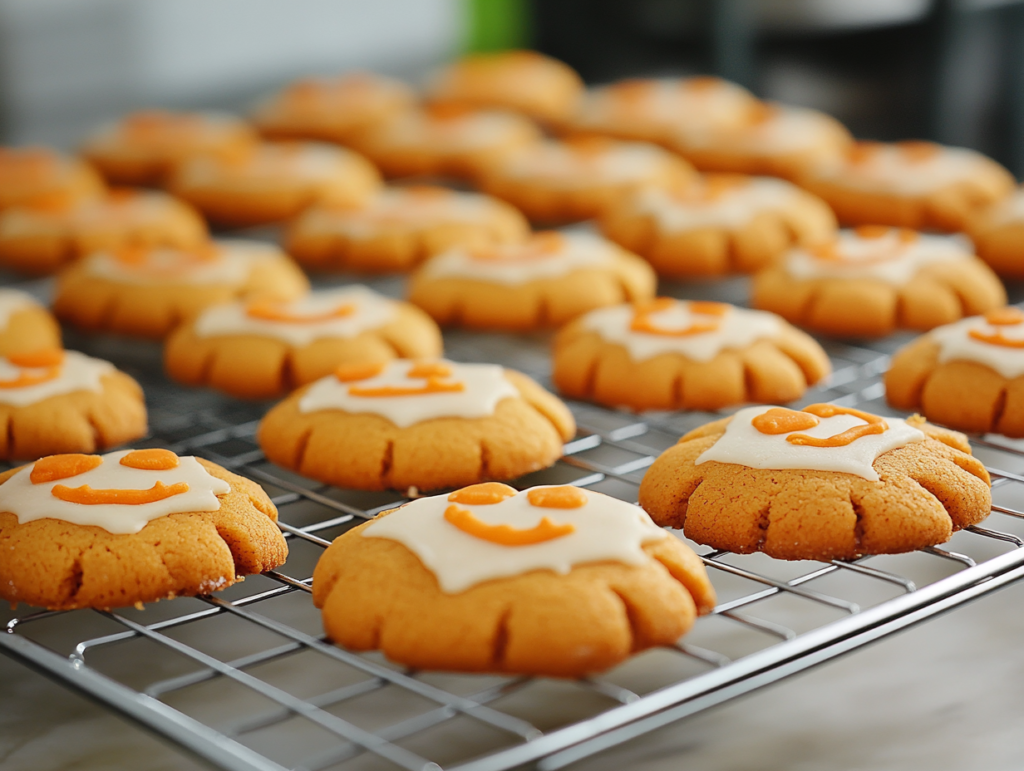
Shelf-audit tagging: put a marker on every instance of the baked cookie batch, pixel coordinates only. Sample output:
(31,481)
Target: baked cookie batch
(683,179)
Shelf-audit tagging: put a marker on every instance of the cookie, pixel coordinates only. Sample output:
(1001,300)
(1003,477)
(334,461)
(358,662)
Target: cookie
(42,239)
(916,185)
(543,282)
(443,141)
(143,148)
(25,325)
(998,235)
(968,375)
(719,224)
(668,354)
(538,86)
(257,349)
(555,581)
(273,181)
(422,424)
(331,109)
(54,401)
(399,228)
(39,175)
(873,280)
(820,484)
(147,292)
(128,527)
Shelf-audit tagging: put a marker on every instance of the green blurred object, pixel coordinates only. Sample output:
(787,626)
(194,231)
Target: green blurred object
(496,25)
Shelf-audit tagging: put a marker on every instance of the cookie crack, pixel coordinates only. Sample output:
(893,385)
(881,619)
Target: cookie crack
(858,527)
(998,409)
(387,463)
(632,618)
(301,446)
(485,461)
(72,583)
(99,439)
(500,644)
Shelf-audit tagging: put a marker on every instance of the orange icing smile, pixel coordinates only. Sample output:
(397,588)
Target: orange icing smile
(506,535)
(781,421)
(86,496)
(151,460)
(642,321)
(1001,317)
(482,494)
(271,311)
(55,467)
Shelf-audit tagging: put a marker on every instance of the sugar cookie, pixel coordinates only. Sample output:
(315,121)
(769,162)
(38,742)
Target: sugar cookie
(25,325)
(998,235)
(41,176)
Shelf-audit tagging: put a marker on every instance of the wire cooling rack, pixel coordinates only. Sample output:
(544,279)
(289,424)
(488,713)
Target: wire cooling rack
(245,679)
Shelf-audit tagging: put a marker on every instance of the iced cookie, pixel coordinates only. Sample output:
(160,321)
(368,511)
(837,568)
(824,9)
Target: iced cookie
(258,349)
(968,375)
(909,184)
(422,424)
(42,239)
(998,235)
(54,401)
(38,175)
(25,325)
(668,354)
(143,148)
(543,282)
(721,223)
(873,280)
(128,527)
(521,81)
(332,109)
(147,292)
(556,581)
(443,141)
(823,483)
(399,228)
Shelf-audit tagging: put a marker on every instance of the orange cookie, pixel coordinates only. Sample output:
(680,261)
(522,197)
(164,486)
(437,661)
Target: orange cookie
(580,178)
(820,484)
(968,375)
(91,531)
(42,239)
(671,354)
(998,235)
(399,228)
(258,349)
(25,325)
(871,281)
(522,81)
(38,175)
(148,292)
(909,184)
(332,109)
(421,424)
(143,148)
(544,282)
(722,223)
(555,581)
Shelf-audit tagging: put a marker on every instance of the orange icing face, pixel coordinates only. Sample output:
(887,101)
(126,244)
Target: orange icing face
(779,420)
(55,467)
(144,259)
(433,373)
(44,365)
(564,497)
(482,494)
(642,321)
(86,496)
(884,251)
(1001,317)
(151,460)
(267,310)
(540,246)
(506,535)
(350,373)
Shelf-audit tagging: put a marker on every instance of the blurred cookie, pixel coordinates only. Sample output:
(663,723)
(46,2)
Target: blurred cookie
(25,325)
(41,176)
(998,235)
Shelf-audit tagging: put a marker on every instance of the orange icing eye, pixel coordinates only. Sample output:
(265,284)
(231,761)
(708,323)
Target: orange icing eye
(429,369)
(44,357)
(873,425)
(86,496)
(349,373)
(506,535)
(642,321)
(483,494)
(55,467)
(266,310)
(564,497)
(779,420)
(151,460)
(1007,317)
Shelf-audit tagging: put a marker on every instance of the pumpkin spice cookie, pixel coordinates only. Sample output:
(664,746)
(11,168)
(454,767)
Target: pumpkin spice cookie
(871,281)
(128,527)
(42,239)
(823,483)
(580,178)
(148,292)
(399,228)
(259,349)
(332,109)
(38,175)
(54,401)
(543,282)
(968,375)
(909,184)
(422,424)
(998,235)
(143,148)
(671,354)
(721,223)
(25,325)
(555,581)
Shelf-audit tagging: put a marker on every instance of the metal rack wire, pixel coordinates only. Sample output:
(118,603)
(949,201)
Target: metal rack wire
(245,680)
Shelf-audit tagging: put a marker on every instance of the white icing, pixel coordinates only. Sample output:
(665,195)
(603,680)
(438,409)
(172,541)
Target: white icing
(484,387)
(956,344)
(606,530)
(308,161)
(138,210)
(738,328)
(858,257)
(370,311)
(29,502)
(564,165)
(731,209)
(517,265)
(232,264)
(892,169)
(12,301)
(474,130)
(744,445)
(77,372)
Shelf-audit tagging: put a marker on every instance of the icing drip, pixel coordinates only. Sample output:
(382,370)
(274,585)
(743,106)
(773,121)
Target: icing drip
(995,340)
(32,382)
(221,262)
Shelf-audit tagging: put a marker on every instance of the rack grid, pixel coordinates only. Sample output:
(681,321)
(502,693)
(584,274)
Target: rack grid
(246,681)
